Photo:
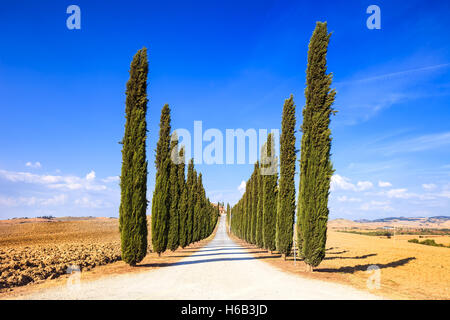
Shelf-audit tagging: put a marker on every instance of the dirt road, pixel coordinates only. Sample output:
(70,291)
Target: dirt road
(220,270)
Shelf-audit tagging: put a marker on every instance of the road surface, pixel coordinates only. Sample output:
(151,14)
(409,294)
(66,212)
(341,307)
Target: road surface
(220,270)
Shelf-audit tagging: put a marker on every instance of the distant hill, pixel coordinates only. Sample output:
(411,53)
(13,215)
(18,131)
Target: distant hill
(441,222)
(436,219)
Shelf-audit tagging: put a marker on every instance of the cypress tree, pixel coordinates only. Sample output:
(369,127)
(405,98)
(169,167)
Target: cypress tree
(133,178)
(193,199)
(161,208)
(254,203)
(183,205)
(163,145)
(269,166)
(174,223)
(228,214)
(286,195)
(161,196)
(259,210)
(315,165)
(191,202)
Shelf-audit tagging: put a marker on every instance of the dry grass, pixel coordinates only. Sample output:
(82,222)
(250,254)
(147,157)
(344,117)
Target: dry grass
(35,254)
(408,270)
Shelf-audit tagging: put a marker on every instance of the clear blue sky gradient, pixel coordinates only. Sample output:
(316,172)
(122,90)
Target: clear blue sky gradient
(229,64)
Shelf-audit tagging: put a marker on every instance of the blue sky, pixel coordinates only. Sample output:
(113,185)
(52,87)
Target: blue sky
(229,64)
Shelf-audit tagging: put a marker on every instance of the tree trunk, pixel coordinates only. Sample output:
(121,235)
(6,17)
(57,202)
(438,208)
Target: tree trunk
(159,254)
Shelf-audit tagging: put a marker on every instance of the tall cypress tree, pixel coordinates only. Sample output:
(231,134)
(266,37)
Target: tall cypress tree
(133,178)
(183,205)
(269,166)
(259,210)
(254,203)
(286,195)
(228,213)
(161,195)
(191,201)
(174,223)
(161,208)
(315,165)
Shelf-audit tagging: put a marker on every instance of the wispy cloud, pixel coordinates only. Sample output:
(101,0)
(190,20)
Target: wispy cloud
(384,184)
(416,144)
(361,98)
(54,181)
(33,165)
(31,194)
(391,75)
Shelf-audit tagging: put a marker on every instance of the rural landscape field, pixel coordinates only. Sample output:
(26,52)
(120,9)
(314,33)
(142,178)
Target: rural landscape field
(36,254)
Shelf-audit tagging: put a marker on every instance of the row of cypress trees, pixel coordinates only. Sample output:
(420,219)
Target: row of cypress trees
(265,214)
(181,212)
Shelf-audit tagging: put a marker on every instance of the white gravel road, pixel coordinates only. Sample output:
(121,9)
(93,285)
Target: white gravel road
(220,270)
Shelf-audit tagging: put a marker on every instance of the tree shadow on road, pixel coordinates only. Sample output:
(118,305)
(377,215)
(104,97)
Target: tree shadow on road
(180,263)
(217,253)
(363,267)
(213,249)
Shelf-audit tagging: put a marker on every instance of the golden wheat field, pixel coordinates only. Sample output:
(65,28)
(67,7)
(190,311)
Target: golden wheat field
(36,253)
(407,270)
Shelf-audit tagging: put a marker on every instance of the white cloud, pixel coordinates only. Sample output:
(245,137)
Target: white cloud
(417,144)
(384,184)
(88,202)
(111,179)
(339,182)
(429,186)
(90,176)
(33,165)
(376,206)
(241,187)
(347,199)
(53,181)
(364,185)
(33,201)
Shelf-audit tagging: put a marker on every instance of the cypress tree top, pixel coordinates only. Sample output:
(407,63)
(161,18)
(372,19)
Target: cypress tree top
(163,145)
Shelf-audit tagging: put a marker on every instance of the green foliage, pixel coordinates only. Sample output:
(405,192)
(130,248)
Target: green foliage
(161,208)
(315,164)
(429,242)
(259,209)
(183,203)
(254,203)
(133,178)
(174,219)
(163,145)
(286,195)
(190,188)
(270,177)
(161,204)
